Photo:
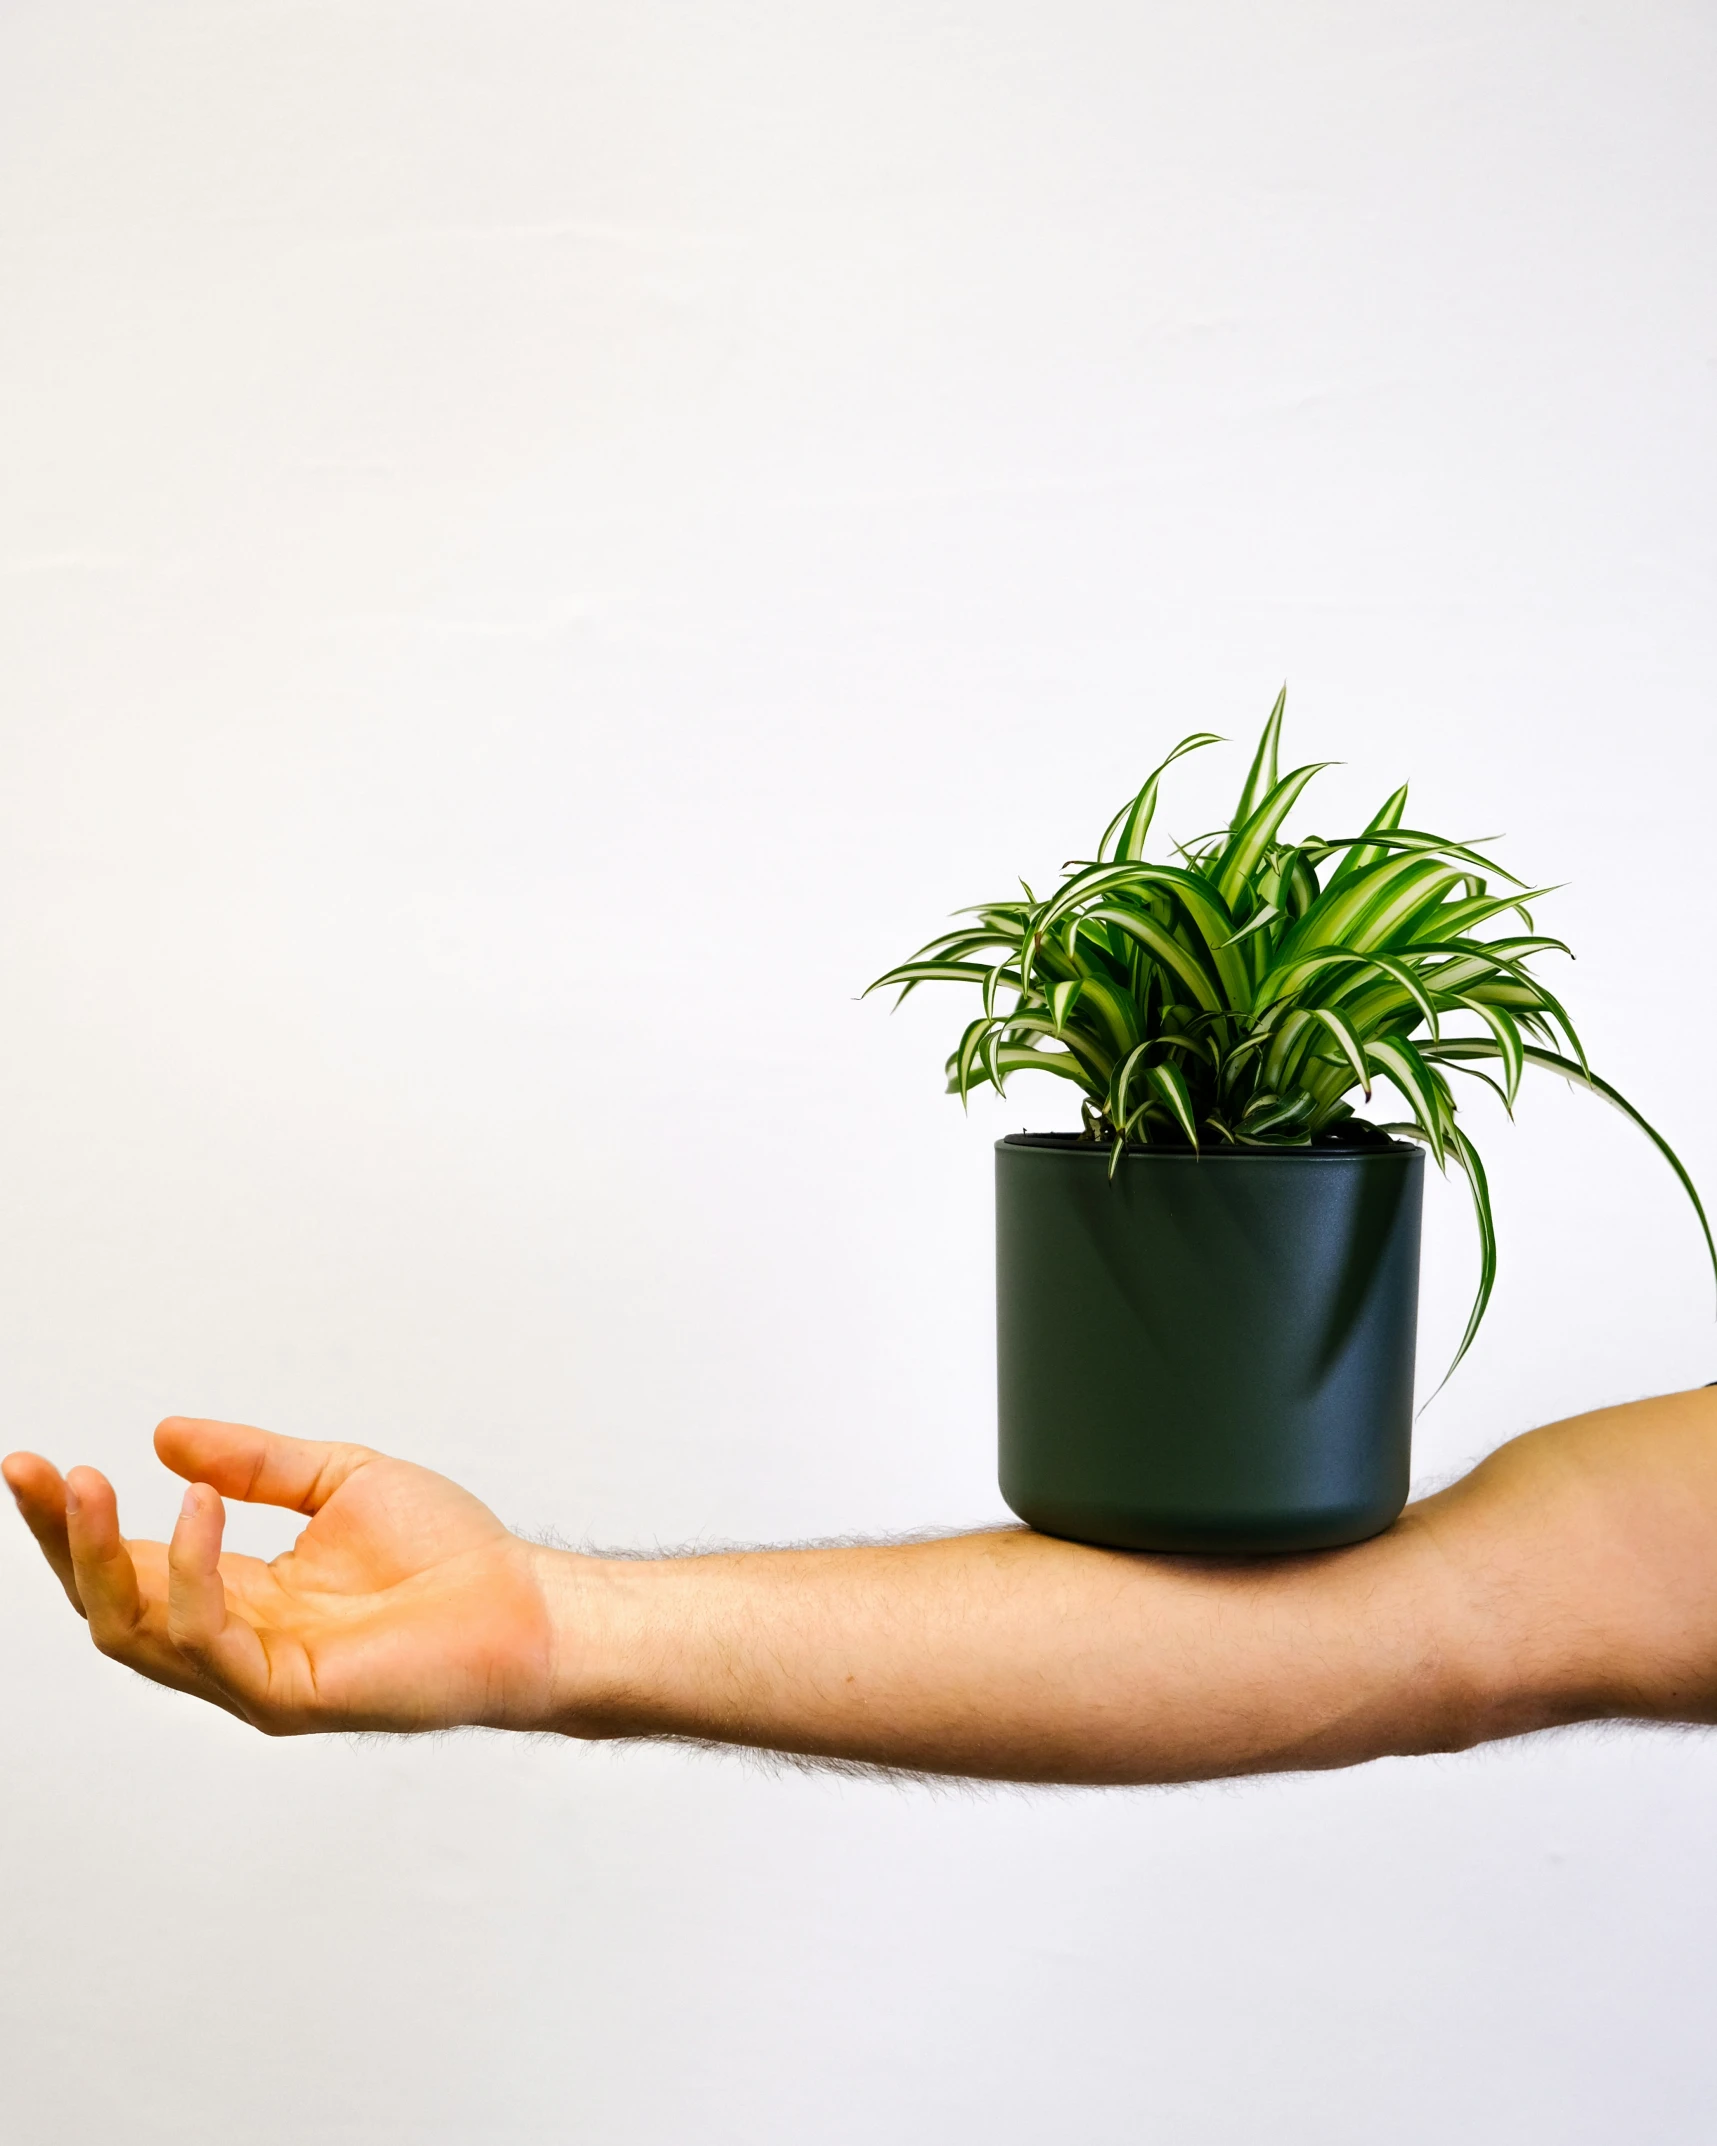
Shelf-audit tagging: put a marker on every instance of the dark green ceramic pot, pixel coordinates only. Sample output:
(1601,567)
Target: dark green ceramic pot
(1214,1352)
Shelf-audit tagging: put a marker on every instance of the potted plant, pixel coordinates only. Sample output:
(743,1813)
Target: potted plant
(1207,1300)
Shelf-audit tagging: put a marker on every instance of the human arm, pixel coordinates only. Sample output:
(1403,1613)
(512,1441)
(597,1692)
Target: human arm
(1572,1576)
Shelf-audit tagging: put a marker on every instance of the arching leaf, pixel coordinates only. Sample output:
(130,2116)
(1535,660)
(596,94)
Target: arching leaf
(1132,823)
(1261,779)
(1169,1084)
(1453,1051)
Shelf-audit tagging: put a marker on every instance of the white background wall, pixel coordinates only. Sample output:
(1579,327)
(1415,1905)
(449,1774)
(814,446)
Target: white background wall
(540,547)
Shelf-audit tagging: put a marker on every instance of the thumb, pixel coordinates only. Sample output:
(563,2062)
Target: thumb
(239,1461)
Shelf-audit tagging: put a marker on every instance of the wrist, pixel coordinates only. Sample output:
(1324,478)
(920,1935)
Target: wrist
(594,1683)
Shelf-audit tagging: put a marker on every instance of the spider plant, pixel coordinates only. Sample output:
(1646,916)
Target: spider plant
(1239,995)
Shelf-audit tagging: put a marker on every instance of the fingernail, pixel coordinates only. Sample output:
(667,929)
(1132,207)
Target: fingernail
(188,1504)
(74,1504)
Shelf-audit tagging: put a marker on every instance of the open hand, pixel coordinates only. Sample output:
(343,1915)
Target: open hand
(405,1604)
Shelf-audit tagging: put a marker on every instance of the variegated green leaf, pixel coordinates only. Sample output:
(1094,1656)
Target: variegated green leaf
(1511,1047)
(1271,1119)
(1132,823)
(1396,1057)
(1170,1086)
(1020,1058)
(1254,836)
(931,972)
(1467,1161)
(1404,839)
(1162,945)
(1362,855)
(1261,779)
(1266,916)
(1453,1052)
(1351,1048)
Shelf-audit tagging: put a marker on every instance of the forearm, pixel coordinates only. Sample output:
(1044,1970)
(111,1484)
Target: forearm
(1572,1576)
(1014,1656)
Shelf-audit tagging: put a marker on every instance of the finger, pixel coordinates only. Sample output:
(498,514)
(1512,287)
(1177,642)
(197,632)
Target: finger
(102,1570)
(223,1647)
(239,1461)
(120,1587)
(40,1495)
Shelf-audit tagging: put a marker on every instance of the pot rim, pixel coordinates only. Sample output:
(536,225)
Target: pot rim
(1078,1150)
